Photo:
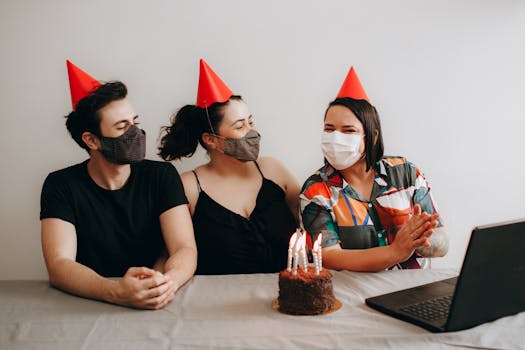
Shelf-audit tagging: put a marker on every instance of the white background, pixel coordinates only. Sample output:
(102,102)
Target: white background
(446,76)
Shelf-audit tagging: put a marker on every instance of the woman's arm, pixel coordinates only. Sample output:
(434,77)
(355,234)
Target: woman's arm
(439,242)
(191,189)
(413,234)
(364,260)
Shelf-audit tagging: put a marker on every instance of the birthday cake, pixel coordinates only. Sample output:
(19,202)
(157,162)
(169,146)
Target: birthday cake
(306,293)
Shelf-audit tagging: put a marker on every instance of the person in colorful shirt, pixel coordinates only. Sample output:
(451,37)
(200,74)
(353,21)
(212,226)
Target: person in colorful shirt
(374,212)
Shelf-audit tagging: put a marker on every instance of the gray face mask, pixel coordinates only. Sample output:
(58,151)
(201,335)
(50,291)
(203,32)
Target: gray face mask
(129,147)
(244,149)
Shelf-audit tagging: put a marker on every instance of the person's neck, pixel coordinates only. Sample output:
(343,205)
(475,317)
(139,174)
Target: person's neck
(225,165)
(107,175)
(357,173)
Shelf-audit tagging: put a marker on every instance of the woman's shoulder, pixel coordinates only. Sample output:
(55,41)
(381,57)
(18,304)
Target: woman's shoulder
(270,163)
(392,161)
(399,170)
(397,161)
(272,168)
(187,176)
(191,185)
(197,170)
(275,170)
(316,177)
(320,181)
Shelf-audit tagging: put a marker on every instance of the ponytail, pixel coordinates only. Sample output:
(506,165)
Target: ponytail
(187,126)
(181,138)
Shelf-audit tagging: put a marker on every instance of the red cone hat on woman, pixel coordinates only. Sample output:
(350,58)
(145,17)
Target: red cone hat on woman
(211,88)
(80,83)
(352,87)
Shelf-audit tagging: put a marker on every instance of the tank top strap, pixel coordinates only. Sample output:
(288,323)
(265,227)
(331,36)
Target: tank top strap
(198,182)
(258,168)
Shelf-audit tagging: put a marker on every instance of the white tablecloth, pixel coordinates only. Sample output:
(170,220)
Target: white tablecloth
(234,312)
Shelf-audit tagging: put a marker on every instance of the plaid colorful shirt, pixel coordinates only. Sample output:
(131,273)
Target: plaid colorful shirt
(331,206)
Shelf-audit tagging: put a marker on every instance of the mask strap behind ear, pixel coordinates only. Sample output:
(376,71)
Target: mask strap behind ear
(209,120)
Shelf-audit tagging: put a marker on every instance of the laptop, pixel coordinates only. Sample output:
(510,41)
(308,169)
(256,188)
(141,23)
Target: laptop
(491,285)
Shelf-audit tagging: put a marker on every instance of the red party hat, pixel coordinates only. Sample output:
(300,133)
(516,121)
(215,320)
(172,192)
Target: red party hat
(352,87)
(211,88)
(80,83)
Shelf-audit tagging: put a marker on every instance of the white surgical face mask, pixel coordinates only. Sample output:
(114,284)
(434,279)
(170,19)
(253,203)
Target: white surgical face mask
(341,150)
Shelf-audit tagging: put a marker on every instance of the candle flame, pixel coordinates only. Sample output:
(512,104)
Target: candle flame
(298,243)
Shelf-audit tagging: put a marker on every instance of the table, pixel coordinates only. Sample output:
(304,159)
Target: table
(234,312)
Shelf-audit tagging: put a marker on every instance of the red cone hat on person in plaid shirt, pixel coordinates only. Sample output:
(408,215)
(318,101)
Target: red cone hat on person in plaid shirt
(352,87)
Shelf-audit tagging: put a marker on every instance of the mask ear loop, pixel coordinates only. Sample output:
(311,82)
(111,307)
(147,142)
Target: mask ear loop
(209,122)
(208,117)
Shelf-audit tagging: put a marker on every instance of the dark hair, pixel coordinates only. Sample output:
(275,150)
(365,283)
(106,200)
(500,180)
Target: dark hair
(85,117)
(368,116)
(187,126)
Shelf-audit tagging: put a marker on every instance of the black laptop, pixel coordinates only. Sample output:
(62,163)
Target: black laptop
(491,285)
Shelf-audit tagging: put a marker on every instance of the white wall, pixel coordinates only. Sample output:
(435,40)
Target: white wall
(446,76)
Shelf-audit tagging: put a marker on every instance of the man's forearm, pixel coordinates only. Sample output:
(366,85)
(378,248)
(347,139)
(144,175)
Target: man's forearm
(181,266)
(78,279)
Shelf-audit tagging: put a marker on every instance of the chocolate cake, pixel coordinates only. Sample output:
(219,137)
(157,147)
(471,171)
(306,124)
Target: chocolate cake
(306,293)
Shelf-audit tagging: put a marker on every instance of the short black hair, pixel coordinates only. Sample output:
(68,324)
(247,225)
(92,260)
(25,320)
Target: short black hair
(368,116)
(86,118)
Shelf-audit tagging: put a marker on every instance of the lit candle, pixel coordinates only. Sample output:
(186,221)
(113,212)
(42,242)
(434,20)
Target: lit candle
(315,252)
(303,252)
(320,252)
(290,247)
(296,250)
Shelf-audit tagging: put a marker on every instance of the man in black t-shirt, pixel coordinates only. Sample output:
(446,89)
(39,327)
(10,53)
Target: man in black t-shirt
(115,214)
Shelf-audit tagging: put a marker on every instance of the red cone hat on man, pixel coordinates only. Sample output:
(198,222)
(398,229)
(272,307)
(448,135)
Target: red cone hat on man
(352,87)
(80,83)
(211,88)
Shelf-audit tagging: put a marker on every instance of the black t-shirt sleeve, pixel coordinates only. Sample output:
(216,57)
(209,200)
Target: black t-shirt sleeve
(55,201)
(171,189)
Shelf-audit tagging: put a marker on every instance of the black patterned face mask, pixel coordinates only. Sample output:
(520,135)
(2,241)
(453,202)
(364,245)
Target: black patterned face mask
(244,149)
(128,148)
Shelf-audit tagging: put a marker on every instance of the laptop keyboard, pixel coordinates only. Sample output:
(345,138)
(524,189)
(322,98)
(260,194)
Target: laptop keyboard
(431,309)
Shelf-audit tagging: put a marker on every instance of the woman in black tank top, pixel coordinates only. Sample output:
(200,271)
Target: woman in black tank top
(244,208)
